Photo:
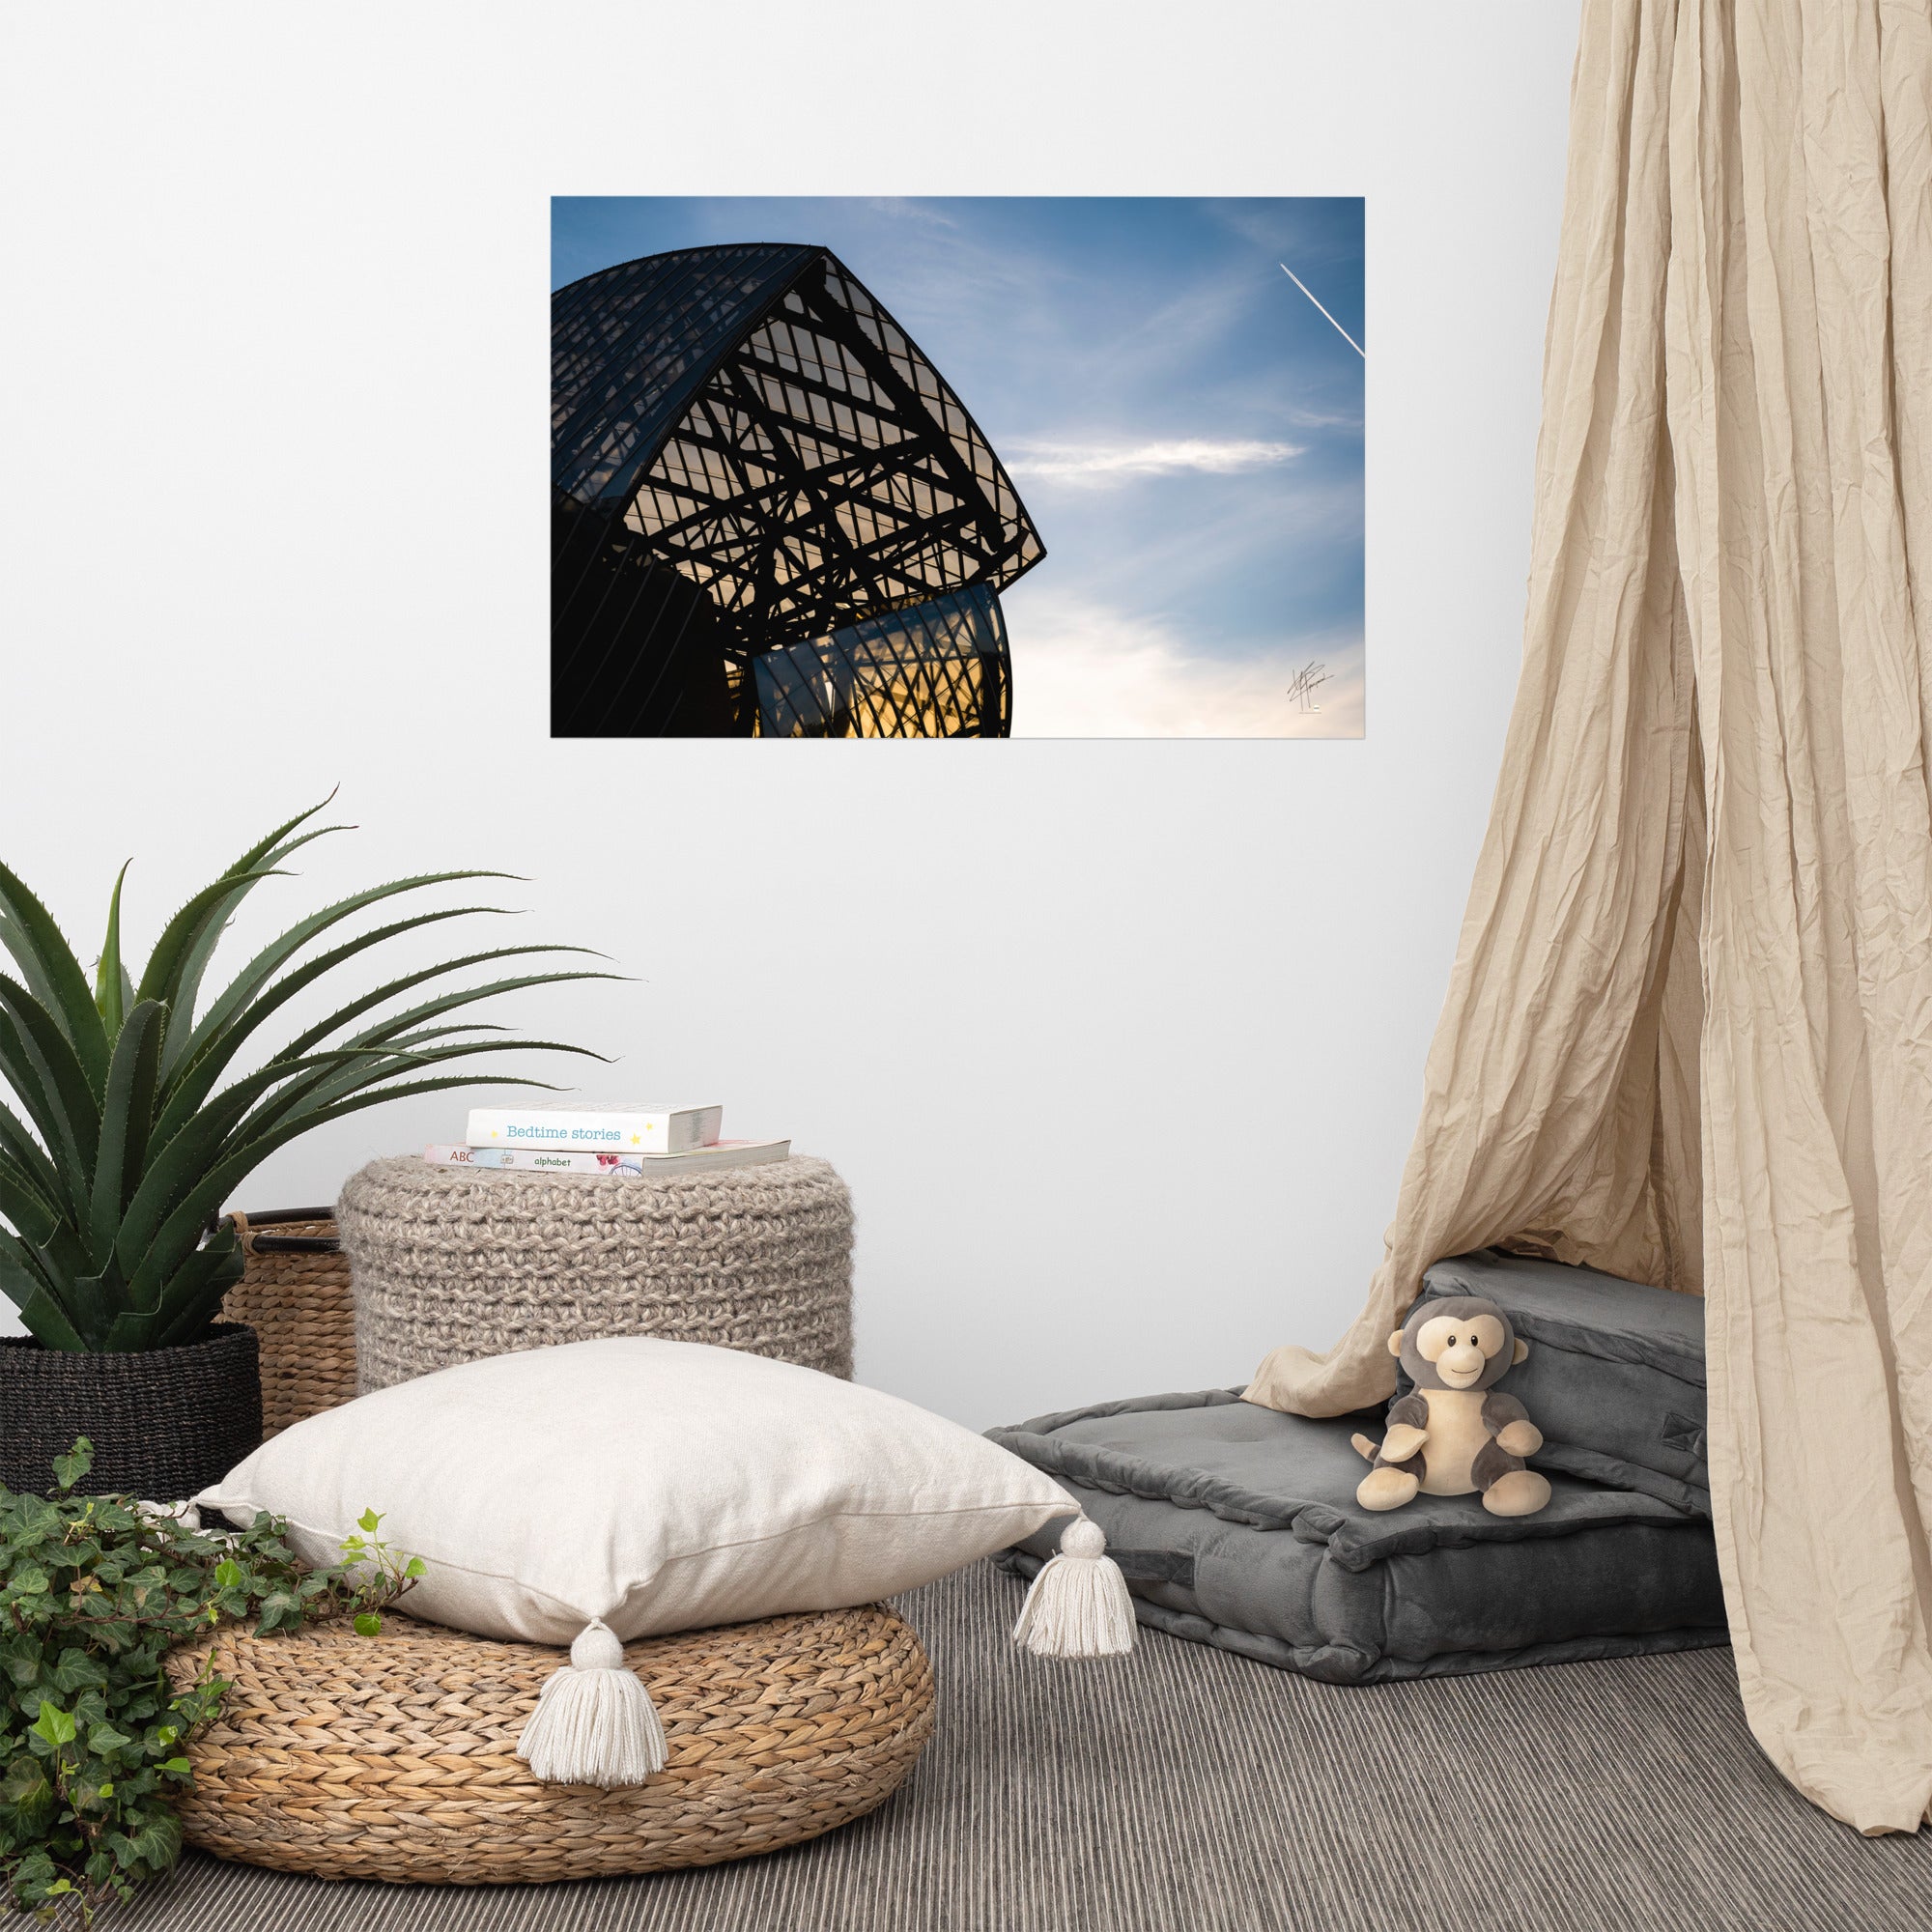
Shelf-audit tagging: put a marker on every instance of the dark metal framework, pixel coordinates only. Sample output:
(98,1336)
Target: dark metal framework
(771,515)
(937,670)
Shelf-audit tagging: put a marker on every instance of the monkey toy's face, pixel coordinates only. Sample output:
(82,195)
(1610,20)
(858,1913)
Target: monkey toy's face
(1457,1342)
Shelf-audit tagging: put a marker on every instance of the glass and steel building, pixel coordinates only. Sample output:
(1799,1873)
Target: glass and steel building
(771,517)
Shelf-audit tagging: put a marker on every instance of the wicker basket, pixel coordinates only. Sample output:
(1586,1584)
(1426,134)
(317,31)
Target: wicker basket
(295,1297)
(395,1756)
(163,1422)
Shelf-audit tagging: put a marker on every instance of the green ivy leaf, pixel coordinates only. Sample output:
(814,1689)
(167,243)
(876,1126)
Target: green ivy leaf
(21,1660)
(368,1521)
(74,1670)
(155,1844)
(35,1875)
(415,1567)
(279,1603)
(227,1573)
(368,1624)
(69,1468)
(84,1794)
(176,1767)
(24,1783)
(53,1725)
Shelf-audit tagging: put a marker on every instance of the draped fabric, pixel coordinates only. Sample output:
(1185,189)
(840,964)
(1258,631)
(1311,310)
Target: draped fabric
(1689,1030)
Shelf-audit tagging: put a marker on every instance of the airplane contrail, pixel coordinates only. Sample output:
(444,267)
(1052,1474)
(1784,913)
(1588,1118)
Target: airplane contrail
(1310,293)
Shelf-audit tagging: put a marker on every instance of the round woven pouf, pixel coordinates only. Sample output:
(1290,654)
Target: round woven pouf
(452,1264)
(395,1756)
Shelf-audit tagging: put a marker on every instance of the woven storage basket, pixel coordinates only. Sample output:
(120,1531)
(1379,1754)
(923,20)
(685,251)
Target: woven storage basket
(163,1422)
(457,1262)
(395,1756)
(296,1297)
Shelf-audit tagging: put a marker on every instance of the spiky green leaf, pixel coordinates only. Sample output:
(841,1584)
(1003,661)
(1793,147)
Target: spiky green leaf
(29,1194)
(110,976)
(224,1030)
(25,1283)
(47,965)
(127,1112)
(180,1300)
(321,1090)
(272,957)
(161,977)
(265,854)
(26,1206)
(39,1063)
(47,1322)
(17,1070)
(179,1157)
(451,1002)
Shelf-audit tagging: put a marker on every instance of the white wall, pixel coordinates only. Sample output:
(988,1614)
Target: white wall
(1118,1044)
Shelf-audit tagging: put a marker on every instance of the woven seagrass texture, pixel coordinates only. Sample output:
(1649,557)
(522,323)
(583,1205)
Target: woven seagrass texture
(163,1422)
(454,1264)
(395,1756)
(302,1311)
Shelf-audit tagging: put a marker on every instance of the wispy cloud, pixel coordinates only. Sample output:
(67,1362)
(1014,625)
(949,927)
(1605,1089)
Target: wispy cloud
(906,209)
(1338,420)
(1098,464)
(1085,670)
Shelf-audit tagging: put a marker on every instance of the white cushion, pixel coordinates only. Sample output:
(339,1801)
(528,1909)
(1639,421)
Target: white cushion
(655,1486)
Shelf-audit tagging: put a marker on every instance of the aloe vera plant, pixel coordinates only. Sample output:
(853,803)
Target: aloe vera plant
(123,1141)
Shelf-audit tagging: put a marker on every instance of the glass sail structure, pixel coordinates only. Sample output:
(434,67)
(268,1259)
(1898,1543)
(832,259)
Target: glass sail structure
(771,516)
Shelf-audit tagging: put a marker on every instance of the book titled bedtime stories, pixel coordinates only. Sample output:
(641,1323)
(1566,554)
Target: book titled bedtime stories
(615,1129)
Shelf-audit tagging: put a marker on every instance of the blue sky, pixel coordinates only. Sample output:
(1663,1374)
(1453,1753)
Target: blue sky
(1184,426)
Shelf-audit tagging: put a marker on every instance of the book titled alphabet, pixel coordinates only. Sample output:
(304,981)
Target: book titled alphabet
(541,1161)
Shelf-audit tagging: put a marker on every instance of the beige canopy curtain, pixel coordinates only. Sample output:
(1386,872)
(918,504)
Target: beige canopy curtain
(1688,1032)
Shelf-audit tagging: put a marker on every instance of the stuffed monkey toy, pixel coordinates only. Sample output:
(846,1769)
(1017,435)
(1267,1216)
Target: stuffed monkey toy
(1456,1433)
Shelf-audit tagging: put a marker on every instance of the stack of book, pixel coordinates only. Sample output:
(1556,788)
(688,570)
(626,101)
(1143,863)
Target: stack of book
(602,1140)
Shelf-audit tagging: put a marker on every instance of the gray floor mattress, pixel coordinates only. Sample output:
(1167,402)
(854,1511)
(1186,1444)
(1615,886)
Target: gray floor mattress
(1237,1526)
(1615,1375)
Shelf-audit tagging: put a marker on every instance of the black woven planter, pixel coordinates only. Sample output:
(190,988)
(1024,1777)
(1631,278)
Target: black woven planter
(164,1423)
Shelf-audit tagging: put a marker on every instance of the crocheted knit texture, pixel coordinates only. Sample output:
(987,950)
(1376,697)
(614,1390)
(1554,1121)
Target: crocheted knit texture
(453,1263)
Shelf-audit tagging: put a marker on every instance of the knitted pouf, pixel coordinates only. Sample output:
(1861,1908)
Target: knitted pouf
(453,1263)
(395,1756)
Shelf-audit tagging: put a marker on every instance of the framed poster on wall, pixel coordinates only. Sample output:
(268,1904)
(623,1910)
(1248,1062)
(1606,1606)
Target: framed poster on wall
(1002,467)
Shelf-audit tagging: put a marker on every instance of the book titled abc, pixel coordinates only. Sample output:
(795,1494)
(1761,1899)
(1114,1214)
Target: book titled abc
(554,1160)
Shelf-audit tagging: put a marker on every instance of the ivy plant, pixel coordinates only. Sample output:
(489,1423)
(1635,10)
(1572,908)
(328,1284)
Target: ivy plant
(95,1591)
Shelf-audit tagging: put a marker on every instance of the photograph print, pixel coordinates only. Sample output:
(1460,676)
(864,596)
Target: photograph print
(982,468)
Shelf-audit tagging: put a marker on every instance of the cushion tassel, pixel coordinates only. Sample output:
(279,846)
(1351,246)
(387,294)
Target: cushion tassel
(595,1723)
(1078,1605)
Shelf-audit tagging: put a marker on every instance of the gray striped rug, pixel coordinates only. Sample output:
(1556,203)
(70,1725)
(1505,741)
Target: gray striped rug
(1185,1790)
